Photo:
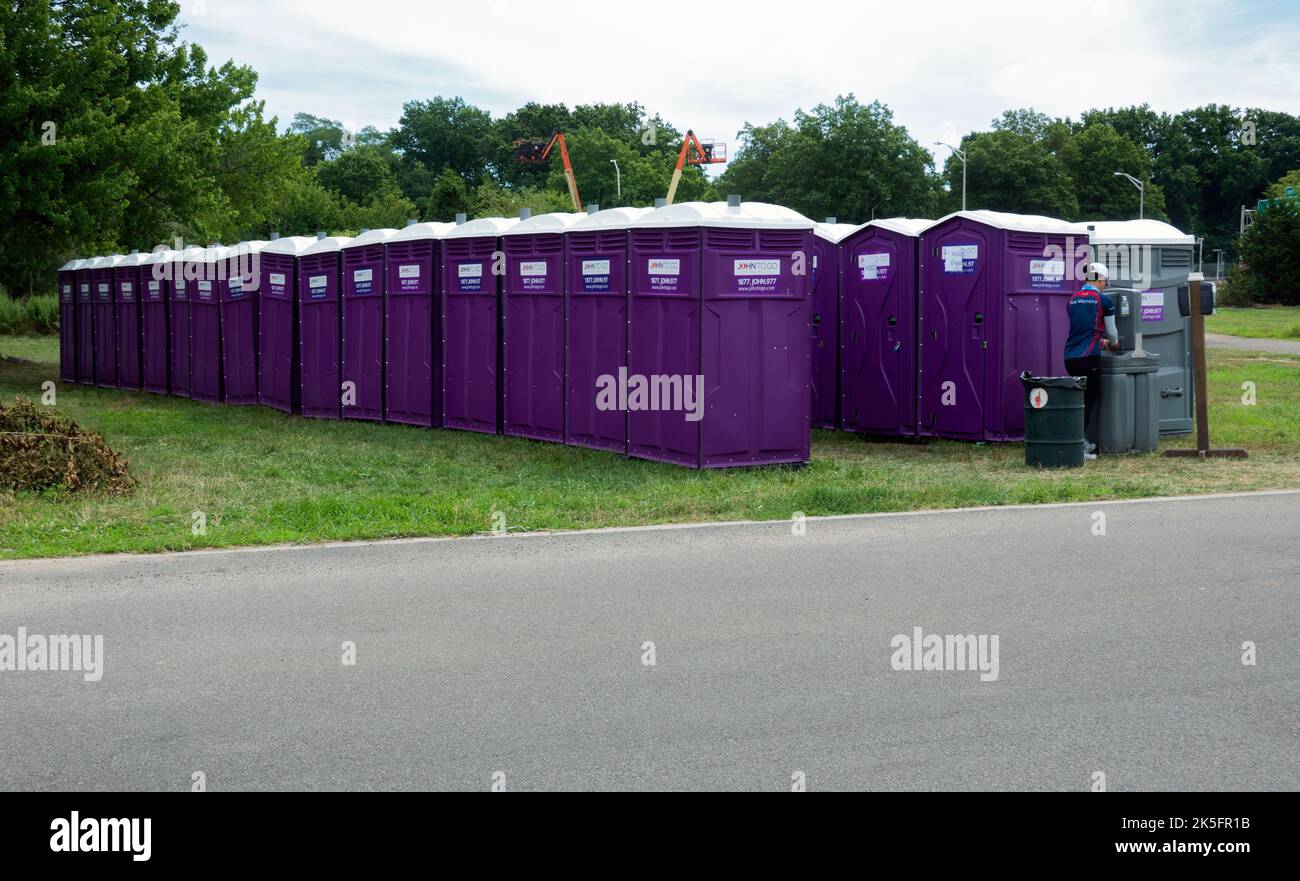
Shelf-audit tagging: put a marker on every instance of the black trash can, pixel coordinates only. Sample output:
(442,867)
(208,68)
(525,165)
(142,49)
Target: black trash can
(1054,420)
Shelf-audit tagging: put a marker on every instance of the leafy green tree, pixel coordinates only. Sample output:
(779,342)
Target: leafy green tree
(1270,254)
(847,159)
(448,198)
(359,174)
(446,133)
(1091,157)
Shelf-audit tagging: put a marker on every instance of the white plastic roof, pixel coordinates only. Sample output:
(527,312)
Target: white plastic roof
(71,264)
(555,222)
(610,218)
(836,232)
(106,262)
(1137,232)
(251,247)
(213,254)
(372,237)
(326,245)
(749,215)
(191,254)
(1015,222)
(291,245)
(483,226)
(160,255)
(133,259)
(422,231)
(908,226)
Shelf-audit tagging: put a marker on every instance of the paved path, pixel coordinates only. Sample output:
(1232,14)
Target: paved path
(1118,653)
(1277,347)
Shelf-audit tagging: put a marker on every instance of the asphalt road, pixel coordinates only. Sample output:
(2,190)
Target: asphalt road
(523,658)
(1276,347)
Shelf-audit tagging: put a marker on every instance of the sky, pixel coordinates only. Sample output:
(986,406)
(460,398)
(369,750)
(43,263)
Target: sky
(944,68)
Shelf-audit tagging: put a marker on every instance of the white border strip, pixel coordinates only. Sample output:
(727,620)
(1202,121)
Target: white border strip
(657,527)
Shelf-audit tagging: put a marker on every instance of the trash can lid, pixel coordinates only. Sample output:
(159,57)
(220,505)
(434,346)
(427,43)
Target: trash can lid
(1028,380)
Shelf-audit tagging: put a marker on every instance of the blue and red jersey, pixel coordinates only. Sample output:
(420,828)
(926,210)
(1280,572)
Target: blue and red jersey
(1087,310)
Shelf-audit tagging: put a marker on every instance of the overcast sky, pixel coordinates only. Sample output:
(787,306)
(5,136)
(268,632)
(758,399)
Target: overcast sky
(945,68)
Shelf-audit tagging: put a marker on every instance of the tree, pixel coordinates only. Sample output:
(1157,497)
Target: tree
(445,133)
(1270,254)
(1091,157)
(1008,171)
(360,174)
(844,159)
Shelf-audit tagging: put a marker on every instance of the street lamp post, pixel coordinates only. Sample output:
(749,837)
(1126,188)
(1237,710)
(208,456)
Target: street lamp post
(960,154)
(618,178)
(1141,192)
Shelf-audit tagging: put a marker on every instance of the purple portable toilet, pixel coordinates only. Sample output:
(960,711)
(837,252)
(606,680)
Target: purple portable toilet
(993,298)
(364,281)
(532,343)
(718,307)
(68,320)
(155,292)
(126,294)
(318,328)
(85,321)
(185,270)
(825,322)
(596,326)
(278,383)
(471,264)
(238,293)
(205,325)
(878,296)
(412,315)
(105,323)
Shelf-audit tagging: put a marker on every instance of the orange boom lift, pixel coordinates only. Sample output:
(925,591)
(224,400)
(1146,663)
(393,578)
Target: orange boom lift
(705,153)
(535,150)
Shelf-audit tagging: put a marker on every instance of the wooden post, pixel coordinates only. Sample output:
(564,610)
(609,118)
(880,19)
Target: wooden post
(1201,384)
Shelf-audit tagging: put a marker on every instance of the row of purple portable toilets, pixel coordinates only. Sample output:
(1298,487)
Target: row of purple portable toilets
(418,326)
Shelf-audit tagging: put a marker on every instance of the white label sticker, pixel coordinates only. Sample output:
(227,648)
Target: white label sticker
(153,285)
(236,284)
(205,285)
(532,267)
(873,265)
(126,286)
(756,267)
(470,270)
(1038,398)
(276,278)
(408,270)
(957,257)
(316,281)
(665,266)
(1153,298)
(595,267)
(1049,270)
(363,274)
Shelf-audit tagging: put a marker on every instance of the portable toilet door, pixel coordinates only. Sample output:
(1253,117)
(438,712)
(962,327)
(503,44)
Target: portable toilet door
(994,288)
(68,321)
(532,343)
(412,313)
(596,328)
(825,322)
(319,330)
(277,323)
(205,326)
(155,294)
(185,271)
(878,346)
(363,325)
(105,323)
(85,321)
(1155,258)
(720,310)
(126,293)
(238,291)
(472,265)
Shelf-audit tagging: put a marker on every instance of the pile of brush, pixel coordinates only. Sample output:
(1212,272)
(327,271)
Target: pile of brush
(42,448)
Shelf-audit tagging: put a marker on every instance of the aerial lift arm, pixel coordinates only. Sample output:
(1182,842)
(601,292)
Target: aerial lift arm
(532,150)
(706,153)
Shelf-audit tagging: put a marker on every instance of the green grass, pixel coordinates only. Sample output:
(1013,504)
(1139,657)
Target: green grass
(264,477)
(1263,322)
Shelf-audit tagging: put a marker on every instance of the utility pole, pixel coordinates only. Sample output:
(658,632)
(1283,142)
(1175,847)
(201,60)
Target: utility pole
(1142,192)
